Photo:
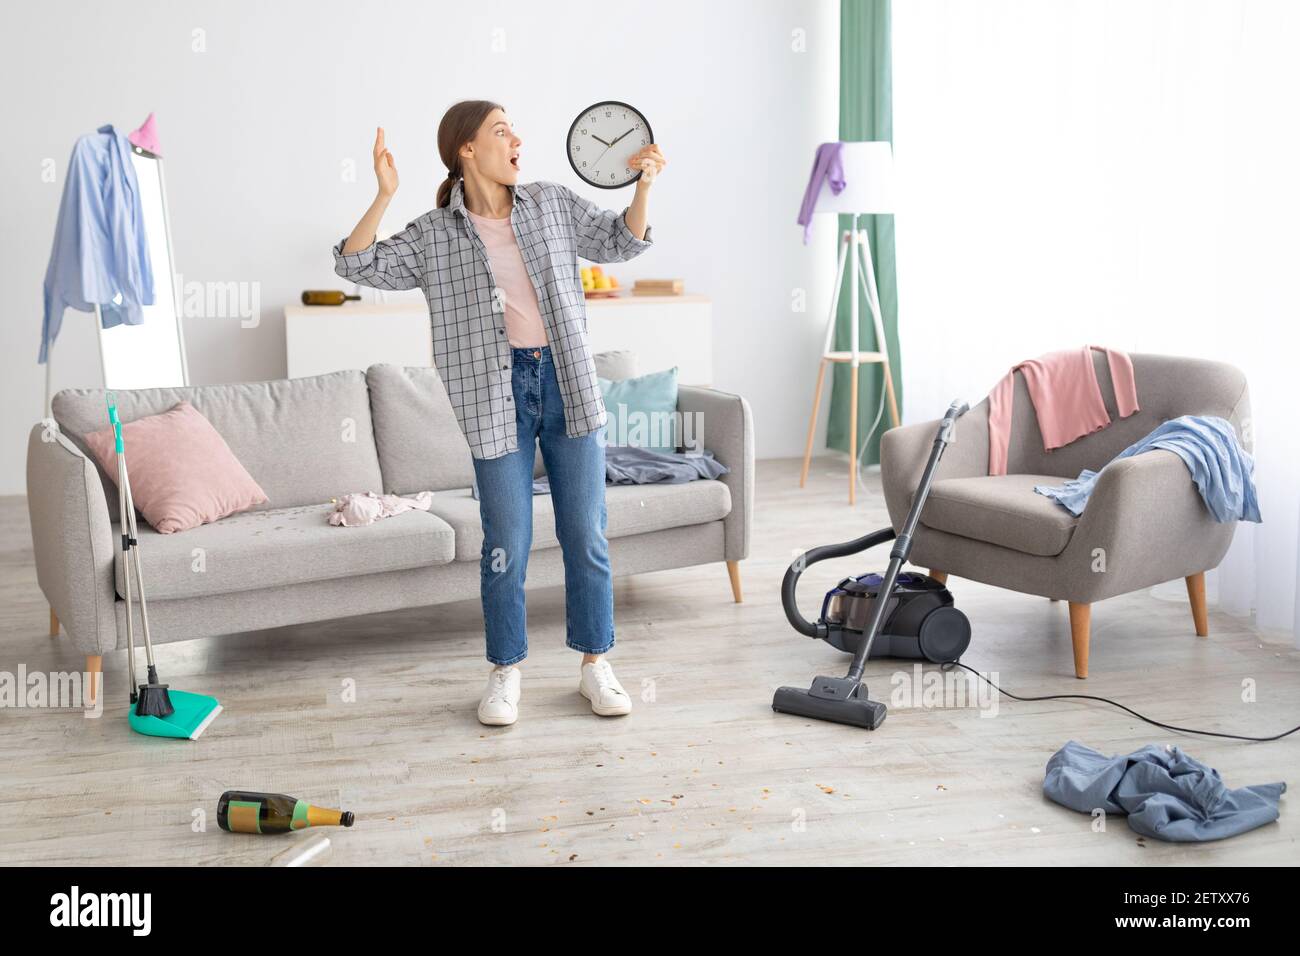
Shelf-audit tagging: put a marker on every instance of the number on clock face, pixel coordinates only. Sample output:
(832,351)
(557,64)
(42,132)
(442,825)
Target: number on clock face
(601,141)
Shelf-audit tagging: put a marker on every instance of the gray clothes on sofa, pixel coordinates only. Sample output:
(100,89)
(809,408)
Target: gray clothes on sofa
(629,465)
(1165,793)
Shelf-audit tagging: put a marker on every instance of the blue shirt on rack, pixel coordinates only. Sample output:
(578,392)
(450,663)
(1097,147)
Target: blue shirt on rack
(101,254)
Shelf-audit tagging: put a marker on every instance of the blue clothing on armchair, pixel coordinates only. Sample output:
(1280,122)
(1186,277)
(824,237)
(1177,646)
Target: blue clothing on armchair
(101,254)
(1223,471)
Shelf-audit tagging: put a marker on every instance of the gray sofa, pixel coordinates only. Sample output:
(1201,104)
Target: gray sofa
(305,441)
(1145,523)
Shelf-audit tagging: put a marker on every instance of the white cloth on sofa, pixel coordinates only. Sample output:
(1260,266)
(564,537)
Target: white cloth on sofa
(366,507)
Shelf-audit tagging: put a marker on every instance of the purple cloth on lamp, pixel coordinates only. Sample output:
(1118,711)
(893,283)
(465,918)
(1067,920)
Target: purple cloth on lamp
(826,166)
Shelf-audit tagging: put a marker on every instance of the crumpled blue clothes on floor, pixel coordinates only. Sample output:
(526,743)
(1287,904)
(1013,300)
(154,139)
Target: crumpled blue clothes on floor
(1224,473)
(1165,793)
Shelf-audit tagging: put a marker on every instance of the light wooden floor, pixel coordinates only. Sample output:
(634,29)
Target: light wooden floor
(702,772)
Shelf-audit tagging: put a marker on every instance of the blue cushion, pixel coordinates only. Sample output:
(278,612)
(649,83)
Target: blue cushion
(642,410)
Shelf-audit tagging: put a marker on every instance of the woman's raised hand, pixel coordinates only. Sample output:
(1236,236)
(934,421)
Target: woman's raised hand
(650,160)
(385,170)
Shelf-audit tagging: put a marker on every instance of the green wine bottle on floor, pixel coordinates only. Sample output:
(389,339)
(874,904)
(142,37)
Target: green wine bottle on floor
(242,811)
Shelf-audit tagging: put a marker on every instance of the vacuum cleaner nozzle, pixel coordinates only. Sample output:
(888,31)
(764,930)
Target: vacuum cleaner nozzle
(842,700)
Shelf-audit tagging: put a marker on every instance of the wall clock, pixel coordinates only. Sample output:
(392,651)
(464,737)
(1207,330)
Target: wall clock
(602,139)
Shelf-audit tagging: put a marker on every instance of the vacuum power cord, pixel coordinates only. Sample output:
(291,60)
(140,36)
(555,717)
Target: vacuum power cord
(1106,700)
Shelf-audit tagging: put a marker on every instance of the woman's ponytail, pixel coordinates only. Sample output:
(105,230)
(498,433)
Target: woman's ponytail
(444,191)
(459,125)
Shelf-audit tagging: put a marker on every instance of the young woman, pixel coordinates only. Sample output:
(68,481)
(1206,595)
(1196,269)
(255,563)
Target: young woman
(498,263)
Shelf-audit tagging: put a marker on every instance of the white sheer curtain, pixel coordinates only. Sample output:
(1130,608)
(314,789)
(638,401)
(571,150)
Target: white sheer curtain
(1123,173)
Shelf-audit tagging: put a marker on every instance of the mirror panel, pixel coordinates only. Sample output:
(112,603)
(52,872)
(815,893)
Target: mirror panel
(151,355)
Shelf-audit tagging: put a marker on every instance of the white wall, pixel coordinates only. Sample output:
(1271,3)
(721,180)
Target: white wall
(1115,173)
(256,129)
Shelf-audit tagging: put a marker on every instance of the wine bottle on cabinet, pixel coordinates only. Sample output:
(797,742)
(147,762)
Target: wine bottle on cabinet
(242,811)
(327,297)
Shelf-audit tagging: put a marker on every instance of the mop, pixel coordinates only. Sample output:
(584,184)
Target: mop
(156,710)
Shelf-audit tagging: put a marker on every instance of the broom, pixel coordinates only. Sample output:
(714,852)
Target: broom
(155,714)
(152,699)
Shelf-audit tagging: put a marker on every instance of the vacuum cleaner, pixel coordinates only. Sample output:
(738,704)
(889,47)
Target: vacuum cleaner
(898,614)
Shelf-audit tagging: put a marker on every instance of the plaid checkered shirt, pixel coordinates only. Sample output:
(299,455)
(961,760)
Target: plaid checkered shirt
(441,254)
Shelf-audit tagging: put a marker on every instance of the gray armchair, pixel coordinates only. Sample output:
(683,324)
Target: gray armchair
(1144,524)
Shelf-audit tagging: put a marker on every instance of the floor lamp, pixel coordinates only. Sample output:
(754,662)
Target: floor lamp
(868,189)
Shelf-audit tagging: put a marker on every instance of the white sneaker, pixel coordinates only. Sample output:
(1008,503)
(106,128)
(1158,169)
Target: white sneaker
(601,687)
(499,705)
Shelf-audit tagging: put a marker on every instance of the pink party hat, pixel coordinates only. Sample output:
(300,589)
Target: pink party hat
(146,137)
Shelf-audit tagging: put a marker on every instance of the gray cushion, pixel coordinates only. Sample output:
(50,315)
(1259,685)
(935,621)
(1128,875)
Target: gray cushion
(616,364)
(1003,510)
(266,549)
(421,446)
(304,440)
(630,509)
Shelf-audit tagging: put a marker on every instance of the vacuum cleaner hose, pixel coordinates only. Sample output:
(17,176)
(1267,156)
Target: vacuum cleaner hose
(823,553)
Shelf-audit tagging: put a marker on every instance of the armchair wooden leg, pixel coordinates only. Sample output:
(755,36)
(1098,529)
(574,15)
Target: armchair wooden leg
(1196,595)
(54,624)
(1080,626)
(940,576)
(95,668)
(733,572)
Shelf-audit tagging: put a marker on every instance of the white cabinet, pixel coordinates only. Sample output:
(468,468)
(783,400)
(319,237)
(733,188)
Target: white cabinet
(662,331)
(331,338)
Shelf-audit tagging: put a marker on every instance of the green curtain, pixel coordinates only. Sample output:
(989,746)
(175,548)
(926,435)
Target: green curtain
(866,113)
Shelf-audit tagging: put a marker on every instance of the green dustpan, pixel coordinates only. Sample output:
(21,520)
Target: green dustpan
(190,717)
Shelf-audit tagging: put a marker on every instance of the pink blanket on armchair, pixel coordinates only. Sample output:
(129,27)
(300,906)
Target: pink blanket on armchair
(1067,399)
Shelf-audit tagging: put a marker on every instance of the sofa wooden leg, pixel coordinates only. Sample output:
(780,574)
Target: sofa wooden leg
(940,576)
(54,624)
(95,670)
(733,572)
(1080,626)
(1196,595)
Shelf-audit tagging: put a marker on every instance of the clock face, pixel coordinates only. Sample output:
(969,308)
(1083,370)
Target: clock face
(601,141)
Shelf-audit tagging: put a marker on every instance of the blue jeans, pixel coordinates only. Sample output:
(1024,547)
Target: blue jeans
(576,468)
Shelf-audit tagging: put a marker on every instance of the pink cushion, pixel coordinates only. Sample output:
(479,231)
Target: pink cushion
(182,473)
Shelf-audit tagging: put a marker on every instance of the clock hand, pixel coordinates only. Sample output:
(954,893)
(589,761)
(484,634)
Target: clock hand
(602,142)
(615,141)
(597,160)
